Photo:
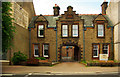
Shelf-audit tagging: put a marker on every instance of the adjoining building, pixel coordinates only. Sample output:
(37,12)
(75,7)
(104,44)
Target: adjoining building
(113,12)
(22,12)
(71,36)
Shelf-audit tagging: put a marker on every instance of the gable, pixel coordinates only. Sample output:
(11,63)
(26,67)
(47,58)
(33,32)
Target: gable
(69,14)
(100,17)
(41,18)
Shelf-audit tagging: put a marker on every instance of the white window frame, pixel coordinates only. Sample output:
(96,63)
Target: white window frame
(100,31)
(34,50)
(48,51)
(39,31)
(73,31)
(97,50)
(63,35)
(106,49)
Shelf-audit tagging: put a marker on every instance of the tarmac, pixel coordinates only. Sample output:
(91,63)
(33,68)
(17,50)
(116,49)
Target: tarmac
(64,68)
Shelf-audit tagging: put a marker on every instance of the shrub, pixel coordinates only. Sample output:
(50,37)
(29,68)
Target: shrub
(18,57)
(40,58)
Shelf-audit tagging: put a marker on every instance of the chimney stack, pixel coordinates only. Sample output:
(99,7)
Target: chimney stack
(104,7)
(56,10)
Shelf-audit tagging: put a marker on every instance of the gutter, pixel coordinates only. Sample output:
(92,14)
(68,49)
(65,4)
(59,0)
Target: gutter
(55,29)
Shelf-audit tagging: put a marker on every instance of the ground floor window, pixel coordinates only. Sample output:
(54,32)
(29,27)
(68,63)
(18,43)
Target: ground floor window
(45,50)
(106,49)
(95,50)
(36,50)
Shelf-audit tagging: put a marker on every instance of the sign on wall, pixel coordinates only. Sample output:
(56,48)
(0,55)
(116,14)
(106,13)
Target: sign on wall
(104,57)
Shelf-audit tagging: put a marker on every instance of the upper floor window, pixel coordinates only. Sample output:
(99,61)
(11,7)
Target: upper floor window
(41,31)
(64,30)
(95,50)
(100,30)
(74,30)
(46,50)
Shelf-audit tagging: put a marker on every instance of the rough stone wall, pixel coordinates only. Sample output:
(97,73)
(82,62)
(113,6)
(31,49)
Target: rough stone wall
(21,40)
(91,37)
(50,37)
(21,35)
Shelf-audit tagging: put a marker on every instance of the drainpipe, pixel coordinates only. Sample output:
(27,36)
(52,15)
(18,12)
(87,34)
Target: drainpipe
(84,29)
(112,38)
(56,43)
(29,42)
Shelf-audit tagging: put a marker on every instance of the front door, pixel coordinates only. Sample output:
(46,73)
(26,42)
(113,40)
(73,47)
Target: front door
(67,53)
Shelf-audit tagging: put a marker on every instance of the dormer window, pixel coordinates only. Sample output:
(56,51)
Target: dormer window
(40,30)
(100,32)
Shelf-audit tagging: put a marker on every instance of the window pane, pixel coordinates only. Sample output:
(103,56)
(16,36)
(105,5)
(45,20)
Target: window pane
(95,50)
(40,27)
(45,47)
(64,26)
(100,30)
(75,32)
(105,52)
(75,26)
(41,32)
(95,53)
(105,49)
(65,30)
(45,52)
(36,52)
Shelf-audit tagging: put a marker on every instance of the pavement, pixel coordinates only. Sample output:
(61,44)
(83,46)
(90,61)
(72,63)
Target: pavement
(65,68)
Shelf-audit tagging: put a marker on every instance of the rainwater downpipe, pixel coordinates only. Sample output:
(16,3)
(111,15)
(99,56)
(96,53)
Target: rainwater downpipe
(56,44)
(84,29)
(112,39)
(29,42)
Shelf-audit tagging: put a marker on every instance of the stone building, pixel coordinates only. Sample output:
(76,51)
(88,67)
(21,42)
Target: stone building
(113,12)
(71,36)
(22,12)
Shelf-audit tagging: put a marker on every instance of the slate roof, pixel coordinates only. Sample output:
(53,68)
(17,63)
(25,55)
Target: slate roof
(51,20)
(88,20)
